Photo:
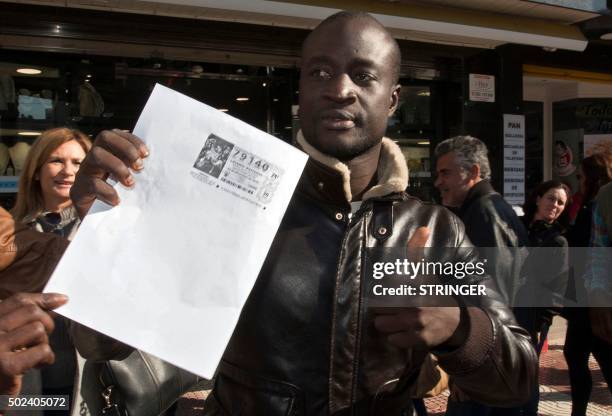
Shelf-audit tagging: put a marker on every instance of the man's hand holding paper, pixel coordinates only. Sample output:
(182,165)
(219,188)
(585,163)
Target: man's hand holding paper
(113,153)
(168,266)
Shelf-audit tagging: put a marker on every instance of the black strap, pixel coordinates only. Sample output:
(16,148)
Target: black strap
(382,220)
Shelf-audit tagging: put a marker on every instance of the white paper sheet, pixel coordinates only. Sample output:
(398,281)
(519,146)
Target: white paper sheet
(169,269)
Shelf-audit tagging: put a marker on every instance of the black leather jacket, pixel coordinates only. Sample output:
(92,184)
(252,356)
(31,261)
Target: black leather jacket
(492,225)
(305,342)
(547,266)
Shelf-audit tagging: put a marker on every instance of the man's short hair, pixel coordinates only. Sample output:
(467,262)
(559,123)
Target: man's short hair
(396,54)
(469,150)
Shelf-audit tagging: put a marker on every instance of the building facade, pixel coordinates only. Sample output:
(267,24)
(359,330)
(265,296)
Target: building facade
(495,72)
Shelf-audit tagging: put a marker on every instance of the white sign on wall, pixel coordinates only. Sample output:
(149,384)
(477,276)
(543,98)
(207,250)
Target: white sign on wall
(482,88)
(514,158)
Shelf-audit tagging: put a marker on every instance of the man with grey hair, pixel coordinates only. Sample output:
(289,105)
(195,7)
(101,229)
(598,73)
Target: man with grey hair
(463,179)
(462,163)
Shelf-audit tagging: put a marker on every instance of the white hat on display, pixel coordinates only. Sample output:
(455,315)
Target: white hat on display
(19,152)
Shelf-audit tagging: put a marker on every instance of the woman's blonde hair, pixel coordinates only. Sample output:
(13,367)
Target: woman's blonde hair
(29,197)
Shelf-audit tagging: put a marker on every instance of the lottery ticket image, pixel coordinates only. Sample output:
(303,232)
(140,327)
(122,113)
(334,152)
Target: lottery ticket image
(236,170)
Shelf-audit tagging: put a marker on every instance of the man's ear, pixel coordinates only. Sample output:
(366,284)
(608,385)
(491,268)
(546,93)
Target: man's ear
(394,99)
(475,172)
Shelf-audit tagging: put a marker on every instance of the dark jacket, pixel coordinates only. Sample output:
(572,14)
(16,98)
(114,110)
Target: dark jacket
(579,238)
(305,343)
(545,274)
(543,234)
(492,225)
(579,234)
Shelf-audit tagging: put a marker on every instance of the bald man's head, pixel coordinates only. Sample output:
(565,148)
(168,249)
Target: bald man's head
(395,57)
(348,84)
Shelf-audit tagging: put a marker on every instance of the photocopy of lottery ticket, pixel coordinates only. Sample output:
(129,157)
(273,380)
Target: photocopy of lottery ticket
(169,269)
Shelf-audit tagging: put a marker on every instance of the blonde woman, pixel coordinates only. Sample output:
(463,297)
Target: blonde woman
(43,203)
(43,200)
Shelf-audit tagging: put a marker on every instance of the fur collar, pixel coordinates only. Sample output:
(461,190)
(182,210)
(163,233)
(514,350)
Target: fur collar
(392,168)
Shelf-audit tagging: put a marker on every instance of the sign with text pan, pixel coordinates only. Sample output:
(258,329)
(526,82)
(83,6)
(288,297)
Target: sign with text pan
(514,158)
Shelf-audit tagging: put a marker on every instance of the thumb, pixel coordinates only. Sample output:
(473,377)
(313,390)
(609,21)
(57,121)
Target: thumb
(417,243)
(52,301)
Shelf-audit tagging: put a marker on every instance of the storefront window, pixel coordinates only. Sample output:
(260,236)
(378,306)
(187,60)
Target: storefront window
(582,127)
(534,139)
(412,129)
(39,91)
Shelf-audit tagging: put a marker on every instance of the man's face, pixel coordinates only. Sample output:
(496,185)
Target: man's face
(452,181)
(347,88)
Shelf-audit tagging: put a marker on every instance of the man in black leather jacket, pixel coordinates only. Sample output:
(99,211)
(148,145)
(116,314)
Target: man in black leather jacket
(306,342)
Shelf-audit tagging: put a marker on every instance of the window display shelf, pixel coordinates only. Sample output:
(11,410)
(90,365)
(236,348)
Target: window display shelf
(8,184)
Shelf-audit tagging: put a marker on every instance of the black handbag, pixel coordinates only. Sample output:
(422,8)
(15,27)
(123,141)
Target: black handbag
(141,385)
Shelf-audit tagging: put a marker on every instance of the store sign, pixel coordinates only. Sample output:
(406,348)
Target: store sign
(595,111)
(482,88)
(514,158)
